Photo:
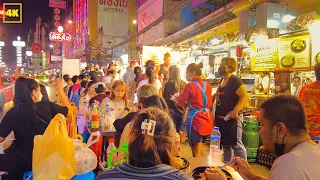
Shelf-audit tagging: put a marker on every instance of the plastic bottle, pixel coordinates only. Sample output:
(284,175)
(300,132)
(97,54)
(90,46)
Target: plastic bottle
(107,122)
(215,151)
(82,107)
(215,139)
(111,147)
(95,120)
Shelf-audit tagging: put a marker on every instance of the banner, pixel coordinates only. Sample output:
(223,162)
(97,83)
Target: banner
(148,13)
(282,82)
(113,19)
(264,55)
(58,4)
(294,52)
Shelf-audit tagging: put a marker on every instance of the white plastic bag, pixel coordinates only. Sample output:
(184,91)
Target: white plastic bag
(86,159)
(9,138)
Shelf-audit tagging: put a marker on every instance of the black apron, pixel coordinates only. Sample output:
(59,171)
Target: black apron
(225,103)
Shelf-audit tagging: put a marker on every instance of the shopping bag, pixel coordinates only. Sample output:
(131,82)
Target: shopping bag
(85,158)
(53,153)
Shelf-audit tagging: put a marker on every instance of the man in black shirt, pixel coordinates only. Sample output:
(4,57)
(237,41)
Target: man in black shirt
(96,74)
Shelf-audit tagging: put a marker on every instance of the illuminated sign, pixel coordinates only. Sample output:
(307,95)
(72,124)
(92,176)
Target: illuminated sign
(12,13)
(60,36)
(2,43)
(19,43)
(19,56)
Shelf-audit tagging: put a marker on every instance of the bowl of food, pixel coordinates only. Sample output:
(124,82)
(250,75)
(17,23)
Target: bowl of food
(298,45)
(182,164)
(288,61)
(198,173)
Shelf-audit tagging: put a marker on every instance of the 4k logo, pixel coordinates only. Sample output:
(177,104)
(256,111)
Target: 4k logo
(12,13)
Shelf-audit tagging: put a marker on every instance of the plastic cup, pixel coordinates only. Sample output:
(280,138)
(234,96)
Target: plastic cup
(217,157)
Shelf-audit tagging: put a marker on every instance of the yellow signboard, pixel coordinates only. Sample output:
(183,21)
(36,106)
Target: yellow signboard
(264,55)
(294,52)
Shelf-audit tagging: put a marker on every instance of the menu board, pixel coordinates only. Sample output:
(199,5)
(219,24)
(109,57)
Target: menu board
(282,82)
(264,55)
(294,52)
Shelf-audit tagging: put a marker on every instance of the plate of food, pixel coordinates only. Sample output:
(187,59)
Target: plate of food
(288,61)
(182,164)
(298,45)
(198,173)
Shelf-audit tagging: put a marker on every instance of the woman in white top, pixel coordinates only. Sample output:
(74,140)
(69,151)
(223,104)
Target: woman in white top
(118,100)
(88,93)
(152,79)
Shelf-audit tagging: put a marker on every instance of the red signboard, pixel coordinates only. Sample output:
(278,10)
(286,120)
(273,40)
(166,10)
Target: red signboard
(60,36)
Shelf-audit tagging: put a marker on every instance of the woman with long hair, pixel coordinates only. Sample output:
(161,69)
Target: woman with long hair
(118,100)
(197,95)
(173,86)
(88,93)
(151,153)
(137,71)
(29,117)
(152,79)
(44,93)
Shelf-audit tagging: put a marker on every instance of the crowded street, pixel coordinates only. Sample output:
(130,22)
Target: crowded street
(160,90)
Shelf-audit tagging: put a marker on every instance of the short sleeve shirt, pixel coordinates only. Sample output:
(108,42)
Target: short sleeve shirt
(157,84)
(25,126)
(301,163)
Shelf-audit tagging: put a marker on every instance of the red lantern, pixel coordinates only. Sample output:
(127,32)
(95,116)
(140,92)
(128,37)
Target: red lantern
(238,51)
(36,48)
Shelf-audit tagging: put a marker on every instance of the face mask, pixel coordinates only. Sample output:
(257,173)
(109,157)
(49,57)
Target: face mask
(279,148)
(222,71)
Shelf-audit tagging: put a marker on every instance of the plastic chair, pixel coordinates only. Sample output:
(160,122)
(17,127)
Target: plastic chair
(123,150)
(89,176)
(27,175)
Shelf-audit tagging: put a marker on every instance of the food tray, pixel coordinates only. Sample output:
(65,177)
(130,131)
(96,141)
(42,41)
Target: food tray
(197,171)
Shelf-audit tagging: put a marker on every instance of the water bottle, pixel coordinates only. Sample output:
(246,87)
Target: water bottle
(215,151)
(215,139)
(82,107)
(107,123)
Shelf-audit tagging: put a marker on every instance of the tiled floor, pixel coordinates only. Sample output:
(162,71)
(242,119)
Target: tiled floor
(186,153)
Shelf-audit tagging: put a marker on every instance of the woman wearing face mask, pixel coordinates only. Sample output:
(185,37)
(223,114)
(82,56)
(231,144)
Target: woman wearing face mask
(230,99)
(110,76)
(29,117)
(198,97)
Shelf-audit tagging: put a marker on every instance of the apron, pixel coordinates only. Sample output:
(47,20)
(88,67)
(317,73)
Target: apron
(193,111)
(228,129)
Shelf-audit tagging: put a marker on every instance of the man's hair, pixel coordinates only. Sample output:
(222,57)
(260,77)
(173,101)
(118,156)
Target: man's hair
(151,64)
(74,79)
(132,63)
(317,71)
(82,76)
(286,109)
(297,78)
(65,77)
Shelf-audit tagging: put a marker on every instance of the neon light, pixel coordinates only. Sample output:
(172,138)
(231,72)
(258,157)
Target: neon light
(60,36)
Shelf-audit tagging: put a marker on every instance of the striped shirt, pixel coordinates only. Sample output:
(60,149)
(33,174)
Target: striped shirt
(160,172)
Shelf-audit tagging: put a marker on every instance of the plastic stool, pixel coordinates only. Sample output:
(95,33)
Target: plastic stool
(88,176)
(27,175)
